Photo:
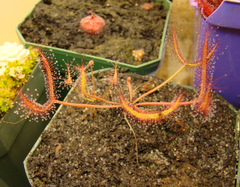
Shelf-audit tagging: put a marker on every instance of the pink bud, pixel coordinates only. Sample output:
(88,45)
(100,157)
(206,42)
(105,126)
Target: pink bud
(92,24)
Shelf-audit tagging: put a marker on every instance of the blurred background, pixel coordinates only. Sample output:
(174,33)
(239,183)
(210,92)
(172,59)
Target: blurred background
(11,13)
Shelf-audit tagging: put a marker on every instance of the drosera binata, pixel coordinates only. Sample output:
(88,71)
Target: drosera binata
(132,107)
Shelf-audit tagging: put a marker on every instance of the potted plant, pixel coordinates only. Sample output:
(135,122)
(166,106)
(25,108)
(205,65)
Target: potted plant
(19,71)
(220,19)
(17,64)
(192,143)
(132,33)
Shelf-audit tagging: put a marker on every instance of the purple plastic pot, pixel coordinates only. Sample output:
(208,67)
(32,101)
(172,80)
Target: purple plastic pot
(223,26)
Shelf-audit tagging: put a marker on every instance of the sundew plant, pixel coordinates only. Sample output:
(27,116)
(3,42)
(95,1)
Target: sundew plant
(133,107)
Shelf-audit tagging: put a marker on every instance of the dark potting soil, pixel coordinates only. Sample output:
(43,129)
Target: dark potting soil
(128,27)
(96,147)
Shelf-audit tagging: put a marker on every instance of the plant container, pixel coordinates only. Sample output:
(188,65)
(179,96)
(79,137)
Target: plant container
(101,151)
(63,55)
(223,27)
(9,126)
(18,135)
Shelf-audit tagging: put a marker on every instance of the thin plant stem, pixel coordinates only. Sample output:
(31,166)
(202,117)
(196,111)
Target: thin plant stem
(110,87)
(161,85)
(130,89)
(86,105)
(164,103)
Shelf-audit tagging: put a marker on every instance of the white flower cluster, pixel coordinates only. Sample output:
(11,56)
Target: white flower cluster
(10,52)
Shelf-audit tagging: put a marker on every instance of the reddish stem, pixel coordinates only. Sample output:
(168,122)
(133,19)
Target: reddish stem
(86,105)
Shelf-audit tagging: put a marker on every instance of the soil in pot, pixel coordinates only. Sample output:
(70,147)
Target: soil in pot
(128,27)
(84,147)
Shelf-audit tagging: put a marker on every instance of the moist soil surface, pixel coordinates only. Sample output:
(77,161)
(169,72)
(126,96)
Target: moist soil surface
(97,147)
(128,27)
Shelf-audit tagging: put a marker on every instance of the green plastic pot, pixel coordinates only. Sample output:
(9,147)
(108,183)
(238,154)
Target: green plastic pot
(18,135)
(66,55)
(237,139)
(12,132)
(9,128)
